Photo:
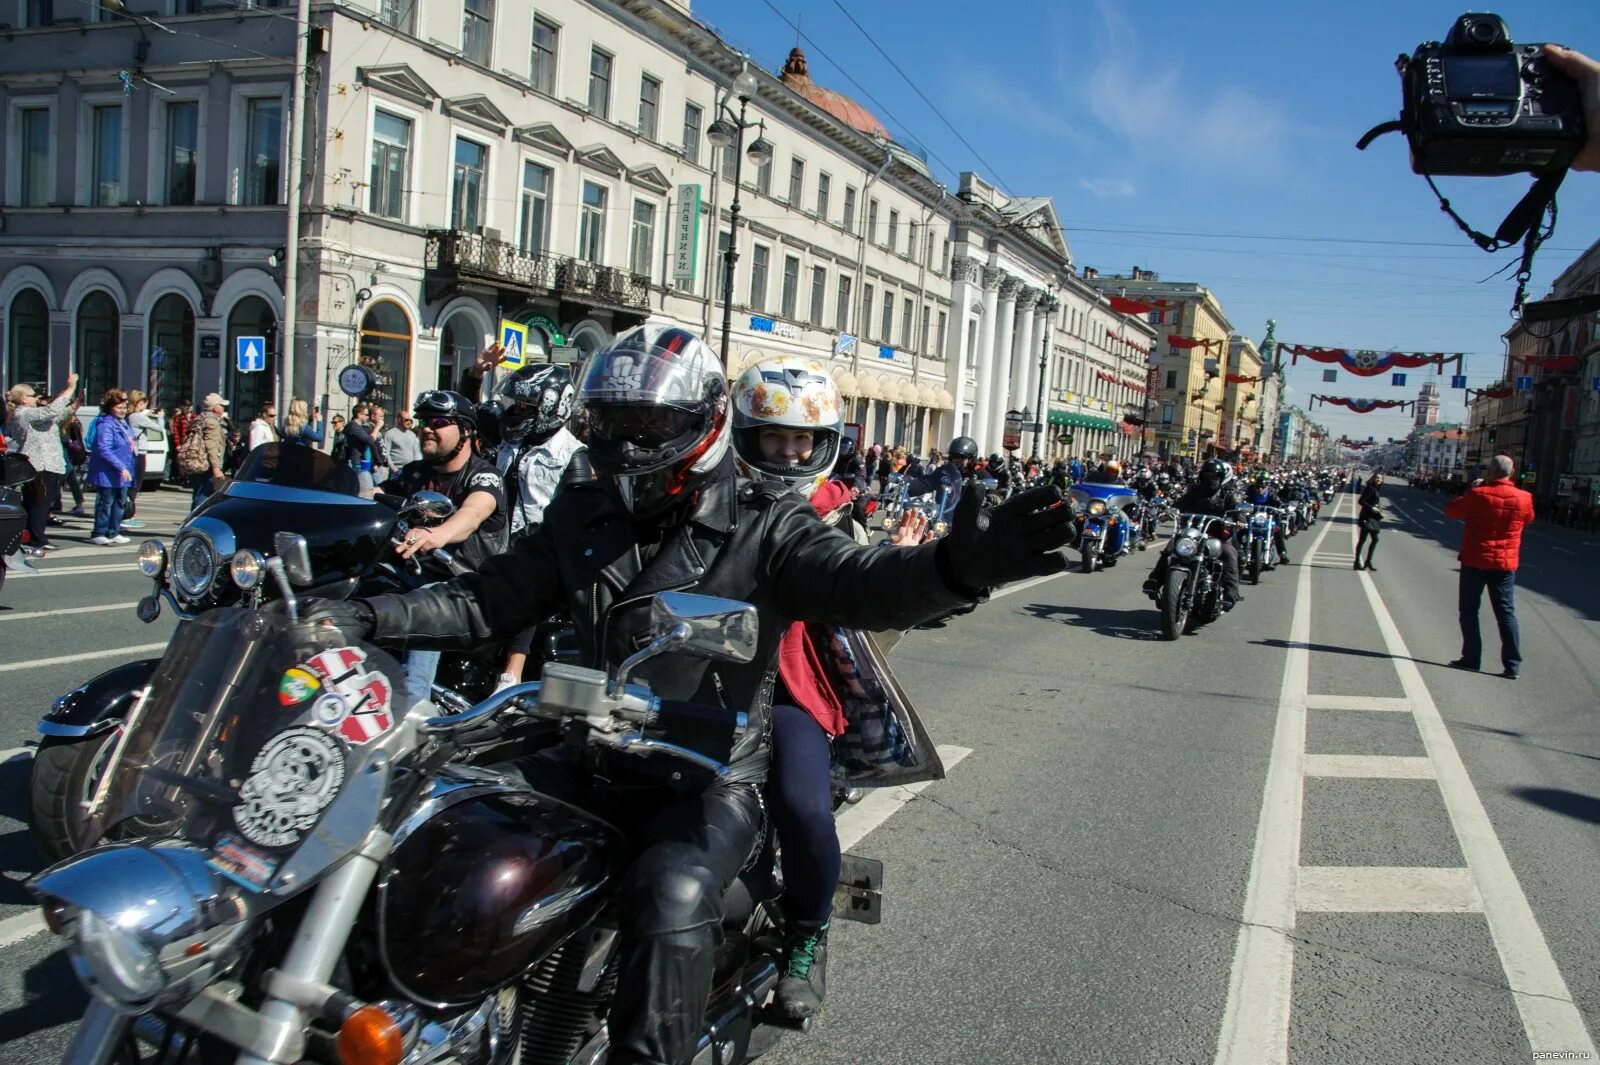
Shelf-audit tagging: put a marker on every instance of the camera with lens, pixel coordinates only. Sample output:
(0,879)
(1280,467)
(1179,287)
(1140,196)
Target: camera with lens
(1480,105)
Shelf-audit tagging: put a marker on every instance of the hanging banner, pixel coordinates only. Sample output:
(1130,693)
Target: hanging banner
(1549,363)
(1185,343)
(1127,305)
(1241,379)
(1500,392)
(686,233)
(1364,363)
(1361,406)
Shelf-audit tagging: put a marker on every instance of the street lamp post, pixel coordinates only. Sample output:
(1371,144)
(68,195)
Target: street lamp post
(1199,400)
(1044,366)
(727,132)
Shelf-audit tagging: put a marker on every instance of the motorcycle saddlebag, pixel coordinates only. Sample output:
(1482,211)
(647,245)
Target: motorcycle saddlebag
(13,521)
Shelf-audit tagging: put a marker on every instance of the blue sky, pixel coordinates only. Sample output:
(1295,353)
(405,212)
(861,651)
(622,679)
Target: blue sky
(1171,134)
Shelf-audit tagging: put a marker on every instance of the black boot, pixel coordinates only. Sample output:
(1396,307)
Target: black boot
(805,968)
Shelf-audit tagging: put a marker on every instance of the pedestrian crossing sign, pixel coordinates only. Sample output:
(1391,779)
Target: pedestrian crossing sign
(514,338)
(252,354)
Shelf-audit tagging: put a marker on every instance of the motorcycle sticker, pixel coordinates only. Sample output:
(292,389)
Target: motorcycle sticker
(356,701)
(292,780)
(241,863)
(298,685)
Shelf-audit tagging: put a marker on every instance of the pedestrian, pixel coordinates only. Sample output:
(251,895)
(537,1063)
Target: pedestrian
(182,418)
(360,448)
(140,419)
(263,427)
(303,424)
(381,470)
(1495,511)
(76,455)
(200,459)
(112,461)
(1370,520)
(399,443)
(31,429)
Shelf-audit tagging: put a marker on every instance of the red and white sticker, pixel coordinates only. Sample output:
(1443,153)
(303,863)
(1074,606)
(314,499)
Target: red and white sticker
(356,702)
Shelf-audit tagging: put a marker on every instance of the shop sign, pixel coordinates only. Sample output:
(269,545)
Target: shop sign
(686,233)
(844,346)
(768,325)
(548,326)
(885,352)
(211,347)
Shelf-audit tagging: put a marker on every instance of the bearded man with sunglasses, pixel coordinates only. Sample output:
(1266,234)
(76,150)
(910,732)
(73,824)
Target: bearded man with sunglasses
(665,509)
(446,427)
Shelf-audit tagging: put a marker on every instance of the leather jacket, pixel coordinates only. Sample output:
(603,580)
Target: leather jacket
(752,541)
(1221,502)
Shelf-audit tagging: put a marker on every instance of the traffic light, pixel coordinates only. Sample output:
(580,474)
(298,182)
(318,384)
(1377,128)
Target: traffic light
(1491,436)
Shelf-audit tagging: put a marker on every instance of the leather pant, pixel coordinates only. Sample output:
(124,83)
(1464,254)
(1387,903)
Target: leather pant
(690,846)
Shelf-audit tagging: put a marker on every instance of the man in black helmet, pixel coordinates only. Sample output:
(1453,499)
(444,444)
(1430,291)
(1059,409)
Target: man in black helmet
(946,481)
(446,427)
(666,510)
(1215,491)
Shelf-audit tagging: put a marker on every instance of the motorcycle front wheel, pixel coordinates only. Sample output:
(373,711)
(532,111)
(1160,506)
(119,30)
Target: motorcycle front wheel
(1174,613)
(1088,559)
(1255,563)
(65,770)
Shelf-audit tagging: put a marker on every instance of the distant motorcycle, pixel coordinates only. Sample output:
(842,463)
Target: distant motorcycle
(1263,549)
(1106,526)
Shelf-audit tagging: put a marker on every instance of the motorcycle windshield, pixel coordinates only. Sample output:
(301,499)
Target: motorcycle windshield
(251,741)
(297,466)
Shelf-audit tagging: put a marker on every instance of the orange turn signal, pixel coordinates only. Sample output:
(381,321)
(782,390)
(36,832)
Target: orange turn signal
(369,1036)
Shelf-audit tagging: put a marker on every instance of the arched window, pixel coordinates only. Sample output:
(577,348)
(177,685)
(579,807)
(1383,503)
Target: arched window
(28,340)
(459,341)
(171,351)
(252,316)
(99,330)
(386,351)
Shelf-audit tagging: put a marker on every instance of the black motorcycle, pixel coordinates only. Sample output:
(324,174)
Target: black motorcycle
(218,559)
(1192,593)
(333,885)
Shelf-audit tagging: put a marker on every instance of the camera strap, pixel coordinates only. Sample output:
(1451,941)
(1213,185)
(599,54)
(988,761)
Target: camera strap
(1521,223)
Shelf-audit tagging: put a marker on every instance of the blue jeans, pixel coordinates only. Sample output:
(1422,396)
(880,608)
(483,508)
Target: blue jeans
(108,511)
(1501,585)
(421,667)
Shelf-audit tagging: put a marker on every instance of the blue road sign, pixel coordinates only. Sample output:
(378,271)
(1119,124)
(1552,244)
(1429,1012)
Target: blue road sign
(1398,380)
(1524,384)
(252,352)
(1458,381)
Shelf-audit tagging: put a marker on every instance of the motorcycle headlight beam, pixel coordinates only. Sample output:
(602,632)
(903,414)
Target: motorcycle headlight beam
(246,568)
(1097,507)
(153,559)
(1185,547)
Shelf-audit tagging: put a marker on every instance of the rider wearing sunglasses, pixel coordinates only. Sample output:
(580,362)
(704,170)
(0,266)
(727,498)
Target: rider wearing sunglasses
(446,427)
(664,510)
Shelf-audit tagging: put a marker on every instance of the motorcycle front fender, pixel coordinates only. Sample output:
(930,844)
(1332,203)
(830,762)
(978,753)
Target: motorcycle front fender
(98,703)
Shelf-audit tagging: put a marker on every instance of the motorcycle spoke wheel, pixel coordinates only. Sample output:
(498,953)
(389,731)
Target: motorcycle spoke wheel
(1174,612)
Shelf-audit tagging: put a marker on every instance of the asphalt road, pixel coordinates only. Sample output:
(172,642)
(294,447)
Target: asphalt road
(1294,836)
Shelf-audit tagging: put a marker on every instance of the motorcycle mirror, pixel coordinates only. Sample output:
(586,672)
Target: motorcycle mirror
(427,508)
(723,630)
(291,548)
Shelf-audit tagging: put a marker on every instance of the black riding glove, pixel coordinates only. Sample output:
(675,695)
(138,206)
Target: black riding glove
(353,618)
(1021,537)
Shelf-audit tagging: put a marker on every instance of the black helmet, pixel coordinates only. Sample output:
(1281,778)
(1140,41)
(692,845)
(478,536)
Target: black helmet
(847,451)
(437,408)
(538,401)
(654,415)
(963,447)
(1214,473)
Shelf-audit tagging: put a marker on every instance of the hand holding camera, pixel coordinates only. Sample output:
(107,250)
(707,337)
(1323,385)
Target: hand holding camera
(1586,72)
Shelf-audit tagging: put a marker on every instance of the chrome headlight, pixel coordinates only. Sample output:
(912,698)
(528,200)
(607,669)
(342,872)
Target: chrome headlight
(113,963)
(1213,547)
(194,564)
(1185,546)
(246,568)
(153,559)
(1097,506)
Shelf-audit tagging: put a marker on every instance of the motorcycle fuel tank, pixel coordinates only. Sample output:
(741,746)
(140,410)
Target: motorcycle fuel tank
(479,890)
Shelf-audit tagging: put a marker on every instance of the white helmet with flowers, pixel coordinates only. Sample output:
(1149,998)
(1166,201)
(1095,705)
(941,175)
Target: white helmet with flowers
(787,393)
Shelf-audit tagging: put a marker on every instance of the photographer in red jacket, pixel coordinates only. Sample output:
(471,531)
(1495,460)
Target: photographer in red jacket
(1495,511)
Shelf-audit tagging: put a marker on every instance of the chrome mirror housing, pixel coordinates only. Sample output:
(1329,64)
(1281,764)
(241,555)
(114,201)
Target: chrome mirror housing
(723,630)
(427,508)
(291,547)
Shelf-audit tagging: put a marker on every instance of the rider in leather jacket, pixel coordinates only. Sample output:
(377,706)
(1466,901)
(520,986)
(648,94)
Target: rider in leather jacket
(1215,491)
(1262,494)
(667,511)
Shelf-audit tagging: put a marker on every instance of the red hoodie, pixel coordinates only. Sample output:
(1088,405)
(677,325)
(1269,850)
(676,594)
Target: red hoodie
(799,662)
(1495,514)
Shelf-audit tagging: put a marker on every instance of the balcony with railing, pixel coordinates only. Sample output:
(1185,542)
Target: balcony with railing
(454,253)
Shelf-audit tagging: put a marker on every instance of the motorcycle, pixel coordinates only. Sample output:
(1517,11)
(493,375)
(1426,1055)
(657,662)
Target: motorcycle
(1263,549)
(333,886)
(216,560)
(15,473)
(1106,528)
(1192,593)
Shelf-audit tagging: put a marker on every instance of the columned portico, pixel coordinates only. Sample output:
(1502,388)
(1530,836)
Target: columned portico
(983,399)
(1022,349)
(1000,359)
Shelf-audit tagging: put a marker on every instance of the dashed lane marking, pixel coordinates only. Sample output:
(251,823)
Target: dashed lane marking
(1358,702)
(62,611)
(71,571)
(15,754)
(22,926)
(883,803)
(66,660)
(1386,889)
(1375,766)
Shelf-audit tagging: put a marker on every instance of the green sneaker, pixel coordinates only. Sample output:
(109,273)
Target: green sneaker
(805,966)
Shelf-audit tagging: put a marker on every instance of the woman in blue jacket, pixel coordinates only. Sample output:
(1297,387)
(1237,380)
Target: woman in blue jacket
(111,465)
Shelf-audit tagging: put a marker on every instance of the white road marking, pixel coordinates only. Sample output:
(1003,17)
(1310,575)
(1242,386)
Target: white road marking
(1376,766)
(15,753)
(1551,1019)
(1358,702)
(1255,1024)
(1384,889)
(66,660)
(883,803)
(23,925)
(1025,585)
(70,571)
(62,611)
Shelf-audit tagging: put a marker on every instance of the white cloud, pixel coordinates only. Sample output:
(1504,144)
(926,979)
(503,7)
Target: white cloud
(1107,188)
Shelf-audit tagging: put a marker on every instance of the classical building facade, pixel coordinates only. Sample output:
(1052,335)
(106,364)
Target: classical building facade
(1242,389)
(462,165)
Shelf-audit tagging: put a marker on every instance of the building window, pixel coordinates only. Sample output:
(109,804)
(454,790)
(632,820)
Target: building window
(730,161)
(385,351)
(599,84)
(938,339)
(649,107)
(466,204)
(172,330)
(35,191)
(1166,414)
(872,220)
(849,209)
(534,234)
(183,146)
(866,311)
(106,157)
(764,178)
(642,242)
(927,315)
(391,144)
(824,184)
(692,117)
(1172,378)
(542,65)
(791,285)
(797,178)
(99,336)
(886,324)
(906,313)
(758,277)
(841,310)
(396,14)
(894,229)
(972,343)
(263,147)
(819,294)
(28,338)
(592,223)
(477,30)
